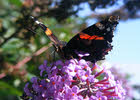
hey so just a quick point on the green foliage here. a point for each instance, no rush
(15, 2)
(11, 90)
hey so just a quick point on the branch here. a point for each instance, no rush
(27, 59)
(2, 75)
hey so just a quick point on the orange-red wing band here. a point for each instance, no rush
(48, 32)
(84, 36)
(94, 37)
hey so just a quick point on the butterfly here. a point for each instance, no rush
(95, 40)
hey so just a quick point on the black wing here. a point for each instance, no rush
(95, 40)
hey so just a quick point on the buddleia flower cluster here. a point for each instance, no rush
(124, 78)
(74, 80)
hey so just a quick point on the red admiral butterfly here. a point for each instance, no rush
(95, 40)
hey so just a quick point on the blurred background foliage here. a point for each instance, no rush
(23, 46)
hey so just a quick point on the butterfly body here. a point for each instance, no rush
(95, 40)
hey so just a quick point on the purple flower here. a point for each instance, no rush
(123, 77)
(71, 93)
(43, 67)
(27, 91)
(75, 80)
(98, 96)
(83, 54)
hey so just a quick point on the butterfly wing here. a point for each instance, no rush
(95, 40)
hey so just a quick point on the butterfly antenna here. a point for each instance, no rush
(30, 29)
(47, 31)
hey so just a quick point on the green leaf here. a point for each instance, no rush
(11, 90)
(16, 2)
(30, 75)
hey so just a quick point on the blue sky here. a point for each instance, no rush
(126, 43)
(126, 51)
